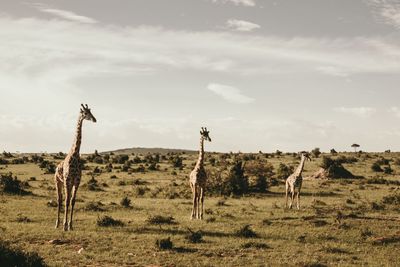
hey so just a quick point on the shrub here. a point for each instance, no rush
(11, 256)
(392, 199)
(284, 171)
(388, 170)
(376, 167)
(125, 202)
(246, 232)
(49, 167)
(255, 245)
(316, 152)
(164, 243)
(92, 185)
(158, 219)
(335, 169)
(94, 206)
(238, 182)
(11, 185)
(194, 237)
(107, 221)
(177, 162)
(259, 174)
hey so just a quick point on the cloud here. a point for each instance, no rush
(395, 111)
(242, 25)
(364, 112)
(64, 14)
(247, 3)
(386, 11)
(63, 51)
(229, 93)
(333, 71)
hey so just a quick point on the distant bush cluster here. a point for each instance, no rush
(334, 168)
(12, 256)
(12, 185)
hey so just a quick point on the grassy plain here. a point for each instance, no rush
(342, 222)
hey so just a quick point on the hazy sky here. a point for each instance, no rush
(261, 75)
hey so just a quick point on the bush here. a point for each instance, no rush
(107, 221)
(177, 162)
(11, 185)
(10, 256)
(238, 182)
(49, 167)
(376, 167)
(316, 152)
(284, 171)
(259, 174)
(393, 199)
(388, 170)
(194, 237)
(94, 206)
(255, 245)
(335, 169)
(246, 232)
(158, 219)
(164, 243)
(125, 202)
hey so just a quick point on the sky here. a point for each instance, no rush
(259, 74)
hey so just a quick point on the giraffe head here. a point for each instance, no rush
(305, 155)
(86, 114)
(205, 134)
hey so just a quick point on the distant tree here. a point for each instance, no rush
(355, 146)
(316, 152)
(278, 152)
(239, 183)
(333, 151)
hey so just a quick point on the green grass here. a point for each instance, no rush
(336, 226)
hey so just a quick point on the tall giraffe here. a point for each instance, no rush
(295, 181)
(68, 172)
(198, 178)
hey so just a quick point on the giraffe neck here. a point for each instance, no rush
(200, 161)
(299, 169)
(78, 138)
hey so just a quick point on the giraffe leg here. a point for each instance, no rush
(298, 197)
(74, 190)
(59, 201)
(291, 199)
(202, 202)
(67, 202)
(198, 191)
(194, 202)
(287, 195)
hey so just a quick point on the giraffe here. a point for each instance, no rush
(198, 178)
(68, 172)
(295, 181)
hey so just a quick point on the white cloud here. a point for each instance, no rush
(357, 111)
(229, 93)
(64, 14)
(38, 53)
(333, 71)
(395, 111)
(247, 3)
(386, 11)
(242, 25)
